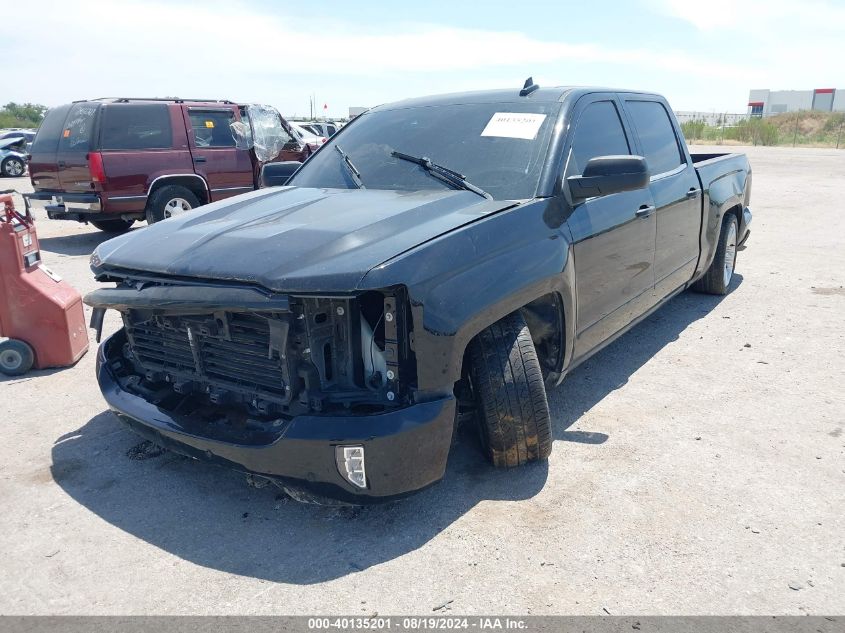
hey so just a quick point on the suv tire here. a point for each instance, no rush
(169, 201)
(113, 226)
(510, 394)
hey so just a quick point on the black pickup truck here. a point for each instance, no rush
(441, 258)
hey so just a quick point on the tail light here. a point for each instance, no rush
(95, 166)
(323, 140)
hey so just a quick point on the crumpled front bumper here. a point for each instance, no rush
(405, 450)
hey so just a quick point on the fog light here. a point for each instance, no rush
(350, 463)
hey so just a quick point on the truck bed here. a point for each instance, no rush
(715, 167)
(702, 158)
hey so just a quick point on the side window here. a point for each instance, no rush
(135, 126)
(656, 134)
(599, 133)
(211, 127)
(332, 129)
(79, 128)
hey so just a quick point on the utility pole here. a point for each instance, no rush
(839, 135)
(795, 135)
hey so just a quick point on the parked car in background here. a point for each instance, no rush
(27, 134)
(13, 156)
(445, 258)
(111, 162)
(320, 128)
(308, 137)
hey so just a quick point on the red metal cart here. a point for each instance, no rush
(41, 319)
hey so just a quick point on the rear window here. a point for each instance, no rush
(135, 126)
(48, 134)
(78, 129)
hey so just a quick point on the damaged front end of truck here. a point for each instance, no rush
(314, 392)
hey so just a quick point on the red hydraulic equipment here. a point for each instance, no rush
(41, 319)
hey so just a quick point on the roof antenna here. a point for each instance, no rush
(528, 88)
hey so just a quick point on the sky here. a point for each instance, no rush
(702, 56)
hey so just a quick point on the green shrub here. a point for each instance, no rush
(693, 129)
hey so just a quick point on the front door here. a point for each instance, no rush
(613, 235)
(226, 168)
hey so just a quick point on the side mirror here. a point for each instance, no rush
(278, 174)
(604, 175)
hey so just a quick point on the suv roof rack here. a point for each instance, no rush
(173, 99)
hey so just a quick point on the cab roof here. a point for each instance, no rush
(506, 95)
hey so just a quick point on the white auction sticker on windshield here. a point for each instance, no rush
(514, 125)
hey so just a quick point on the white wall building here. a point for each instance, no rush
(766, 102)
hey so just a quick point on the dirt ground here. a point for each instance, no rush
(698, 468)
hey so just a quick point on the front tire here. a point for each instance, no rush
(113, 226)
(170, 201)
(16, 357)
(717, 279)
(13, 167)
(510, 394)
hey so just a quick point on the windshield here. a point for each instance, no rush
(499, 147)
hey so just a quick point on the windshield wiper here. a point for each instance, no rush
(350, 167)
(449, 176)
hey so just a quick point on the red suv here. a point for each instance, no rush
(113, 161)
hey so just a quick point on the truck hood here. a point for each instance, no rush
(294, 239)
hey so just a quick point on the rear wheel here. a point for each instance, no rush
(13, 167)
(717, 279)
(170, 201)
(510, 394)
(16, 357)
(113, 226)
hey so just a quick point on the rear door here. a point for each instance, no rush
(43, 168)
(613, 235)
(77, 139)
(227, 169)
(676, 192)
(140, 142)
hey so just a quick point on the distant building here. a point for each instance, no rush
(353, 111)
(713, 119)
(766, 102)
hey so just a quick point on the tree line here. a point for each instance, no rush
(28, 115)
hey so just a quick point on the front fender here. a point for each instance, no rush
(462, 282)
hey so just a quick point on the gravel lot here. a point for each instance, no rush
(698, 468)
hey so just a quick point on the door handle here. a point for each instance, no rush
(692, 193)
(645, 211)
(199, 159)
